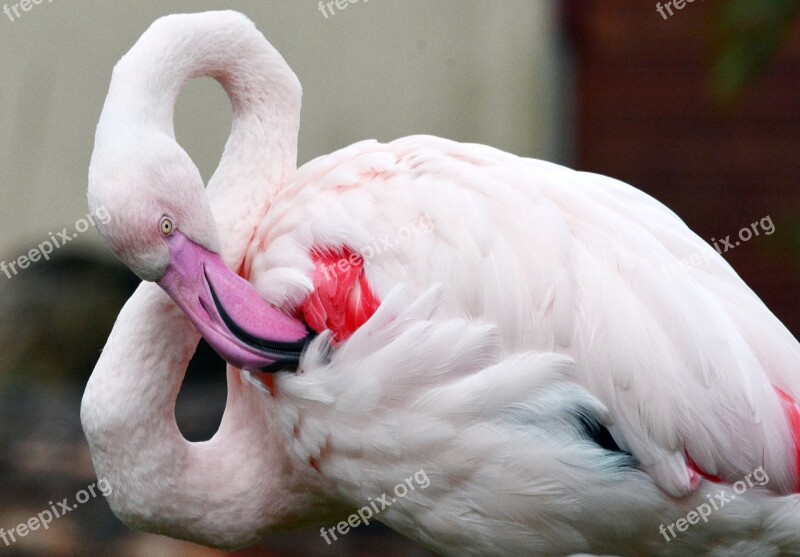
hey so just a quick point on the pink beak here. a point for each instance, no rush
(245, 330)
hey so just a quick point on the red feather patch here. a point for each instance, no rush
(342, 300)
(792, 411)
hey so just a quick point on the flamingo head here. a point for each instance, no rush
(159, 223)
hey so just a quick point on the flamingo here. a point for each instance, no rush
(499, 325)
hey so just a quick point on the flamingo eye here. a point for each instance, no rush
(166, 226)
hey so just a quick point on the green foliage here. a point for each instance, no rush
(747, 34)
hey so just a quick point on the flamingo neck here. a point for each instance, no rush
(261, 153)
(242, 483)
(225, 492)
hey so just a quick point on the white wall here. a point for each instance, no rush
(468, 70)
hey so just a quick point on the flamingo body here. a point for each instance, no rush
(539, 293)
(486, 318)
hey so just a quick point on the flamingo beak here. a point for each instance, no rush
(245, 330)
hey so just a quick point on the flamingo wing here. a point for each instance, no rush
(695, 371)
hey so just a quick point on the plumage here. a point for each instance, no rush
(494, 317)
(341, 299)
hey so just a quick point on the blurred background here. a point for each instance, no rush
(697, 105)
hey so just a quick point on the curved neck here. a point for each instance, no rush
(242, 483)
(261, 153)
(225, 492)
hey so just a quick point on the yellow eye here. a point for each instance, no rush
(166, 226)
